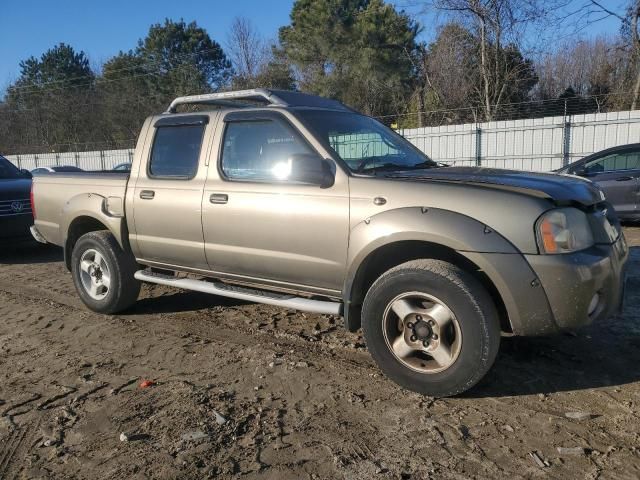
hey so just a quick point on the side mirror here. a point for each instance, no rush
(305, 168)
(26, 173)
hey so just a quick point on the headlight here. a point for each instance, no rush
(563, 230)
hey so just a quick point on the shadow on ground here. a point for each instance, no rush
(181, 301)
(601, 355)
(30, 252)
(528, 366)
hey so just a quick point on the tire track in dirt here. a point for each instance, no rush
(8, 449)
(15, 449)
(193, 324)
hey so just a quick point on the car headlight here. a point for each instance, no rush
(563, 230)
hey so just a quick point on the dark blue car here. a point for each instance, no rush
(16, 216)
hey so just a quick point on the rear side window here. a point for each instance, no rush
(257, 150)
(175, 151)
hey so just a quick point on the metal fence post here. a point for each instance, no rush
(35, 158)
(101, 159)
(566, 136)
(58, 159)
(478, 146)
(76, 156)
(566, 143)
(19, 162)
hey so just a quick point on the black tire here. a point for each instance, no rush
(123, 288)
(472, 307)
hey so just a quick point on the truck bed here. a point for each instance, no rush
(54, 193)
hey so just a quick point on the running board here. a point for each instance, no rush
(242, 293)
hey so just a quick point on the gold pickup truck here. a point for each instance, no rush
(298, 201)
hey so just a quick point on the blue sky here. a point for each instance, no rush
(102, 28)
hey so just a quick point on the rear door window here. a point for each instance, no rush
(175, 152)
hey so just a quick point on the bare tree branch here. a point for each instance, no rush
(245, 48)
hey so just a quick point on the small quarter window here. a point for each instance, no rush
(175, 152)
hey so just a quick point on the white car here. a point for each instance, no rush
(58, 169)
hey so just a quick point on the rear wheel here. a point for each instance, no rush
(431, 327)
(103, 273)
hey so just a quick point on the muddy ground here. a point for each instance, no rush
(259, 392)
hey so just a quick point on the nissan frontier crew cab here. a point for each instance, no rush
(298, 201)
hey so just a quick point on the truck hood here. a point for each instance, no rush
(561, 189)
(15, 188)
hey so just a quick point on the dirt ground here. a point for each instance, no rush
(259, 392)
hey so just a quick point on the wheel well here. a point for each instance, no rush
(388, 256)
(79, 226)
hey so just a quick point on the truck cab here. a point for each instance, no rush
(246, 194)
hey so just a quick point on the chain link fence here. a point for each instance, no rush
(537, 144)
(92, 160)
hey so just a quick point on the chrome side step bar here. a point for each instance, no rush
(241, 293)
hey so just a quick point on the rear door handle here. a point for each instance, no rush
(623, 179)
(147, 194)
(218, 198)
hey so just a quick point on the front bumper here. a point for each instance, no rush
(571, 281)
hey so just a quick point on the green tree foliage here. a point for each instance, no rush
(358, 51)
(184, 57)
(128, 92)
(37, 111)
(58, 64)
(174, 59)
(59, 103)
(276, 73)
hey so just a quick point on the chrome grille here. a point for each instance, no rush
(17, 206)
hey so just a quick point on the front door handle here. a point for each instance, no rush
(147, 194)
(623, 179)
(219, 198)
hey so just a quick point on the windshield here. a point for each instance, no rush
(364, 144)
(8, 169)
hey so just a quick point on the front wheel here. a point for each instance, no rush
(431, 327)
(103, 273)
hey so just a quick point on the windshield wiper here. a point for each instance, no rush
(395, 167)
(386, 167)
(425, 164)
